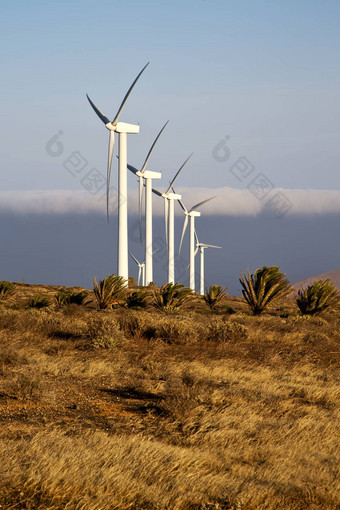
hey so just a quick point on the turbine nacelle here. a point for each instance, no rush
(123, 127)
(172, 196)
(148, 174)
(193, 213)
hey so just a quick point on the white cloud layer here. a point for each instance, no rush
(228, 201)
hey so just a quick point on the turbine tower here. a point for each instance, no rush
(141, 270)
(192, 213)
(201, 247)
(169, 218)
(147, 175)
(122, 129)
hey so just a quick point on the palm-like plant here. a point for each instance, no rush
(263, 287)
(68, 297)
(137, 299)
(318, 297)
(109, 291)
(214, 295)
(6, 289)
(171, 296)
(39, 301)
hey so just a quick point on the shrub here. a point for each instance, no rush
(171, 296)
(68, 297)
(214, 295)
(109, 291)
(39, 301)
(103, 332)
(131, 324)
(263, 287)
(7, 289)
(177, 331)
(228, 309)
(137, 299)
(225, 331)
(318, 297)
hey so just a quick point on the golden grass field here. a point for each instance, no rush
(149, 410)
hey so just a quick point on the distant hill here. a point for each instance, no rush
(334, 276)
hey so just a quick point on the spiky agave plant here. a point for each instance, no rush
(7, 289)
(171, 296)
(214, 294)
(318, 297)
(109, 291)
(263, 287)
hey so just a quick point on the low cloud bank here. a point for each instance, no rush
(228, 201)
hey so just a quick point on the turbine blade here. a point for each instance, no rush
(201, 203)
(152, 147)
(177, 174)
(98, 112)
(156, 192)
(182, 206)
(166, 219)
(180, 201)
(109, 163)
(139, 273)
(140, 199)
(185, 224)
(196, 237)
(115, 120)
(195, 252)
(134, 258)
(132, 169)
(210, 246)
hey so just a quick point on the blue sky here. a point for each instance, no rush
(263, 77)
(265, 73)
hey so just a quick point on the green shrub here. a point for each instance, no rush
(137, 299)
(7, 289)
(318, 297)
(109, 291)
(263, 287)
(228, 309)
(39, 301)
(171, 296)
(214, 295)
(68, 297)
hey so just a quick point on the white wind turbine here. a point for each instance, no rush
(201, 247)
(147, 175)
(122, 129)
(192, 213)
(169, 218)
(141, 270)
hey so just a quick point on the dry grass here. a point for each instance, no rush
(145, 410)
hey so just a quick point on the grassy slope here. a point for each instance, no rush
(121, 409)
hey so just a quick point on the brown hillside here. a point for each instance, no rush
(334, 276)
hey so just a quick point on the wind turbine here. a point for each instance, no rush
(192, 213)
(170, 222)
(147, 175)
(141, 270)
(122, 129)
(201, 247)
